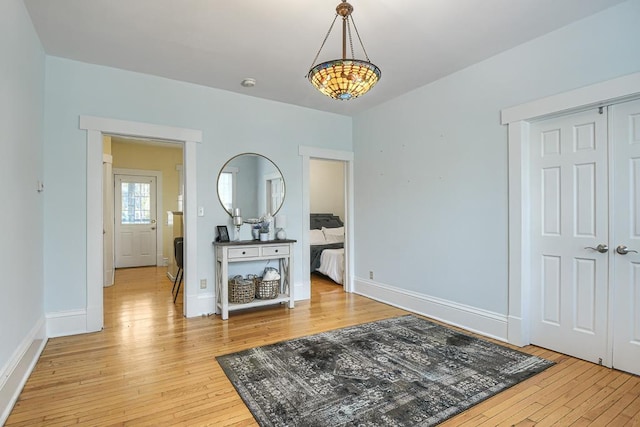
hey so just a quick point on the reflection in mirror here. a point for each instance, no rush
(252, 183)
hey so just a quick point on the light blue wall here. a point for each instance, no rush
(21, 123)
(436, 160)
(231, 124)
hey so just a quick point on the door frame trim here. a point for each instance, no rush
(159, 254)
(96, 127)
(517, 119)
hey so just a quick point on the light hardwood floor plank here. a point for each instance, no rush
(150, 366)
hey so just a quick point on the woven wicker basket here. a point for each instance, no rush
(241, 290)
(266, 289)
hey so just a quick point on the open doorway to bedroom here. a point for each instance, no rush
(327, 204)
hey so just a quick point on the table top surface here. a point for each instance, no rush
(254, 242)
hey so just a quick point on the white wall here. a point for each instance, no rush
(326, 187)
(431, 166)
(21, 123)
(231, 124)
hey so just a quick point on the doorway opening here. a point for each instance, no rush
(143, 201)
(327, 215)
(144, 214)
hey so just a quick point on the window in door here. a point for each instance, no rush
(136, 203)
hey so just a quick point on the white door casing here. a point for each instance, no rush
(308, 153)
(569, 215)
(624, 136)
(96, 128)
(136, 225)
(108, 221)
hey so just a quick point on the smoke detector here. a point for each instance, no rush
(248, 82)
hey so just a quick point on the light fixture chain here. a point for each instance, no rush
(324, 41)
(353, 55)
(359, 39)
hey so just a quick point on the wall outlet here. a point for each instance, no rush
(203, 283)
(371, 275)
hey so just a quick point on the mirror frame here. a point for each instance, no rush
(226, 164)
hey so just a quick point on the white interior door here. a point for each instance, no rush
(135, 225)
(569, 213)
(625, 138)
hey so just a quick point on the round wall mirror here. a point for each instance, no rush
(253, 183)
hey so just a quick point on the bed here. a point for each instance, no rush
(326, 239)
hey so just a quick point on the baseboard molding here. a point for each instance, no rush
(200, 304)
(64, 323)
(16, 372)
(473, 319)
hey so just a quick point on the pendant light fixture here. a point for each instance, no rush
(344, 78)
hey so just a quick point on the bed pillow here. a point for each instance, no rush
(316, 237)
(334, 238)
(333, 235)
(338, 231)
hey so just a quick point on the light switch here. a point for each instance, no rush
(201, 211)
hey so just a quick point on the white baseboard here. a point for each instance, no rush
(64, 323)
(200, 304)
(17, 370)
(473, 319)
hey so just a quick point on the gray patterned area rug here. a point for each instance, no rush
(404, 371)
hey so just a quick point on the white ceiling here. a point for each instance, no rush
(218, 43)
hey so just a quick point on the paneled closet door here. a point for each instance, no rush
(569, 235)
(625, 140)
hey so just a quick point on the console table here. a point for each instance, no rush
(252, 250)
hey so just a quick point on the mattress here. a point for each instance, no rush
(332, 264)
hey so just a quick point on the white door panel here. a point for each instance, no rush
(126, 244)
(135, 227)
(625, 137)
(569, 213)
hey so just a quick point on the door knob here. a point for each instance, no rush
(623, 250)
(602, 248)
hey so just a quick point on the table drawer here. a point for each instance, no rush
(244, 252)
(275, 250)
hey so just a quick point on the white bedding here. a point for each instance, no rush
(332, 264)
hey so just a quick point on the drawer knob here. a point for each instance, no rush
(244, 252)
(276, 251)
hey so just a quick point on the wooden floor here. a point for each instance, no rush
(151, 366)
